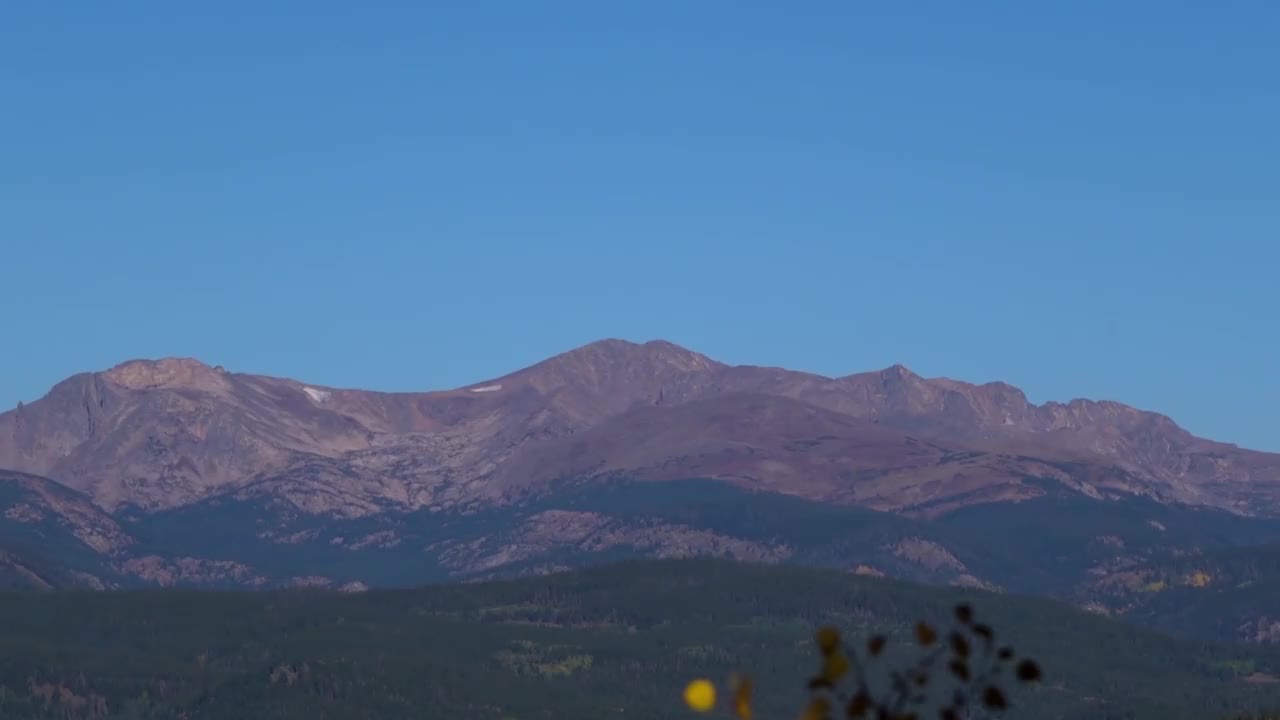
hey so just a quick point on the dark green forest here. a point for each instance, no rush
(617, 641)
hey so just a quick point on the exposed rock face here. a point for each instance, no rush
(587, 532)
(166, 433)
(190, 572)
(928, 554)
(48, 508)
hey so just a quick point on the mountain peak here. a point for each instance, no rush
(611, 375)
(898, 370)
(170, 372)
(615, 356)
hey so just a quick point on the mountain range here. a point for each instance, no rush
(174, 472)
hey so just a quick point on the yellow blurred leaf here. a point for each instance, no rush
(828, 639)
(742, 687)
(834, 666)
(819, 709)
(700, 695)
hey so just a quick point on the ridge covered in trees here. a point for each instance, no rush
(616, 641)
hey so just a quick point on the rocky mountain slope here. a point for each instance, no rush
(200, 476)
(51, 536)
(167, 433)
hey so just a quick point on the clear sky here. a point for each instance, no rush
(1082, 201)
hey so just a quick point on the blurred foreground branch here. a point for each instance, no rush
(959, 675)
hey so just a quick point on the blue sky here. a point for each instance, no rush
(1082, 201)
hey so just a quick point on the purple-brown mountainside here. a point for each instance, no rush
(167, 433)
